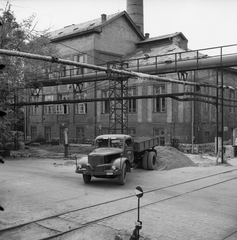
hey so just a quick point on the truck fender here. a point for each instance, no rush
(118, 163)
(154, 150)
(83, 161)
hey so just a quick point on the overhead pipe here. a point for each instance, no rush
(188, 65)
(194, 96)
(179, 66)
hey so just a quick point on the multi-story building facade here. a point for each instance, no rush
(120, 37)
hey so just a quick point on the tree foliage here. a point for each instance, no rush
(19, 73)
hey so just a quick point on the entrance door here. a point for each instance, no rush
(47, 133)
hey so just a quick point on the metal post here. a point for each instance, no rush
(138, 217)
(222, 118)
(217, 113)
(66, 142)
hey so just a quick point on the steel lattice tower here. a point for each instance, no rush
(118, 89)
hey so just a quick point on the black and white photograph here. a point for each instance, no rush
(118, 119)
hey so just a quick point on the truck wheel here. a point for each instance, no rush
(145, 160)
(122, 177)
(152, 162)
(86, 178)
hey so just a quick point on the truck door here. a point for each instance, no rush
(128, 149)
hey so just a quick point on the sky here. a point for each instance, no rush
(205, 23)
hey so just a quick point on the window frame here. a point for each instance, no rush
(105, 104)
(132, 103)
(81, 108)
(159, 102)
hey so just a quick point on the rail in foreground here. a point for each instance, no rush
(60, 225)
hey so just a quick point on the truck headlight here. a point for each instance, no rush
(113, 168)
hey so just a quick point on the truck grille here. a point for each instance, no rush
(95, 160)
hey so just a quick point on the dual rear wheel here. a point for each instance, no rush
(149, 160)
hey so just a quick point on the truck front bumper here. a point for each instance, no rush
(88, 170)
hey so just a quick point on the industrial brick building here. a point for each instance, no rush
(120, 37)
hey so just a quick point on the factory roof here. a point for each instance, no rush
(91, 26)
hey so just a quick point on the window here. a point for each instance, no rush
(159, 102)
(79, 58)
(48, 98)
(128, 143)
(105, 104)
(48, 109)
(47, 133)
(65, 69)
(132, 103)
(160, 133)
(63, 96)
(33, 131)
(81, 108)
(62, 108)
(34, 110)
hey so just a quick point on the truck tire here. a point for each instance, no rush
(86, 178)
(152, 161)
(145, 160)
(122, 177)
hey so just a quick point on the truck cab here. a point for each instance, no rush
(112, 157)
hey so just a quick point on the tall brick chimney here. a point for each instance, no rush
(135, 11)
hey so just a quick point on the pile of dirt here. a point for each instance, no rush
(171, 158)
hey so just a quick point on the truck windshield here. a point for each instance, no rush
(101, 143)
(109, 142)
(116, 143)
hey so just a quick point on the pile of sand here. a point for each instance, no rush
(170, 158)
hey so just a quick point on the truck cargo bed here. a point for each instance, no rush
(144, 143)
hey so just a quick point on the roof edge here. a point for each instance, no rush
(97, 29)
(162, 37)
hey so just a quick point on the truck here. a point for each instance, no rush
(116, 154)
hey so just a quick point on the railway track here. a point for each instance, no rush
(58, 225)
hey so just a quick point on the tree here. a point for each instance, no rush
(19, 73)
